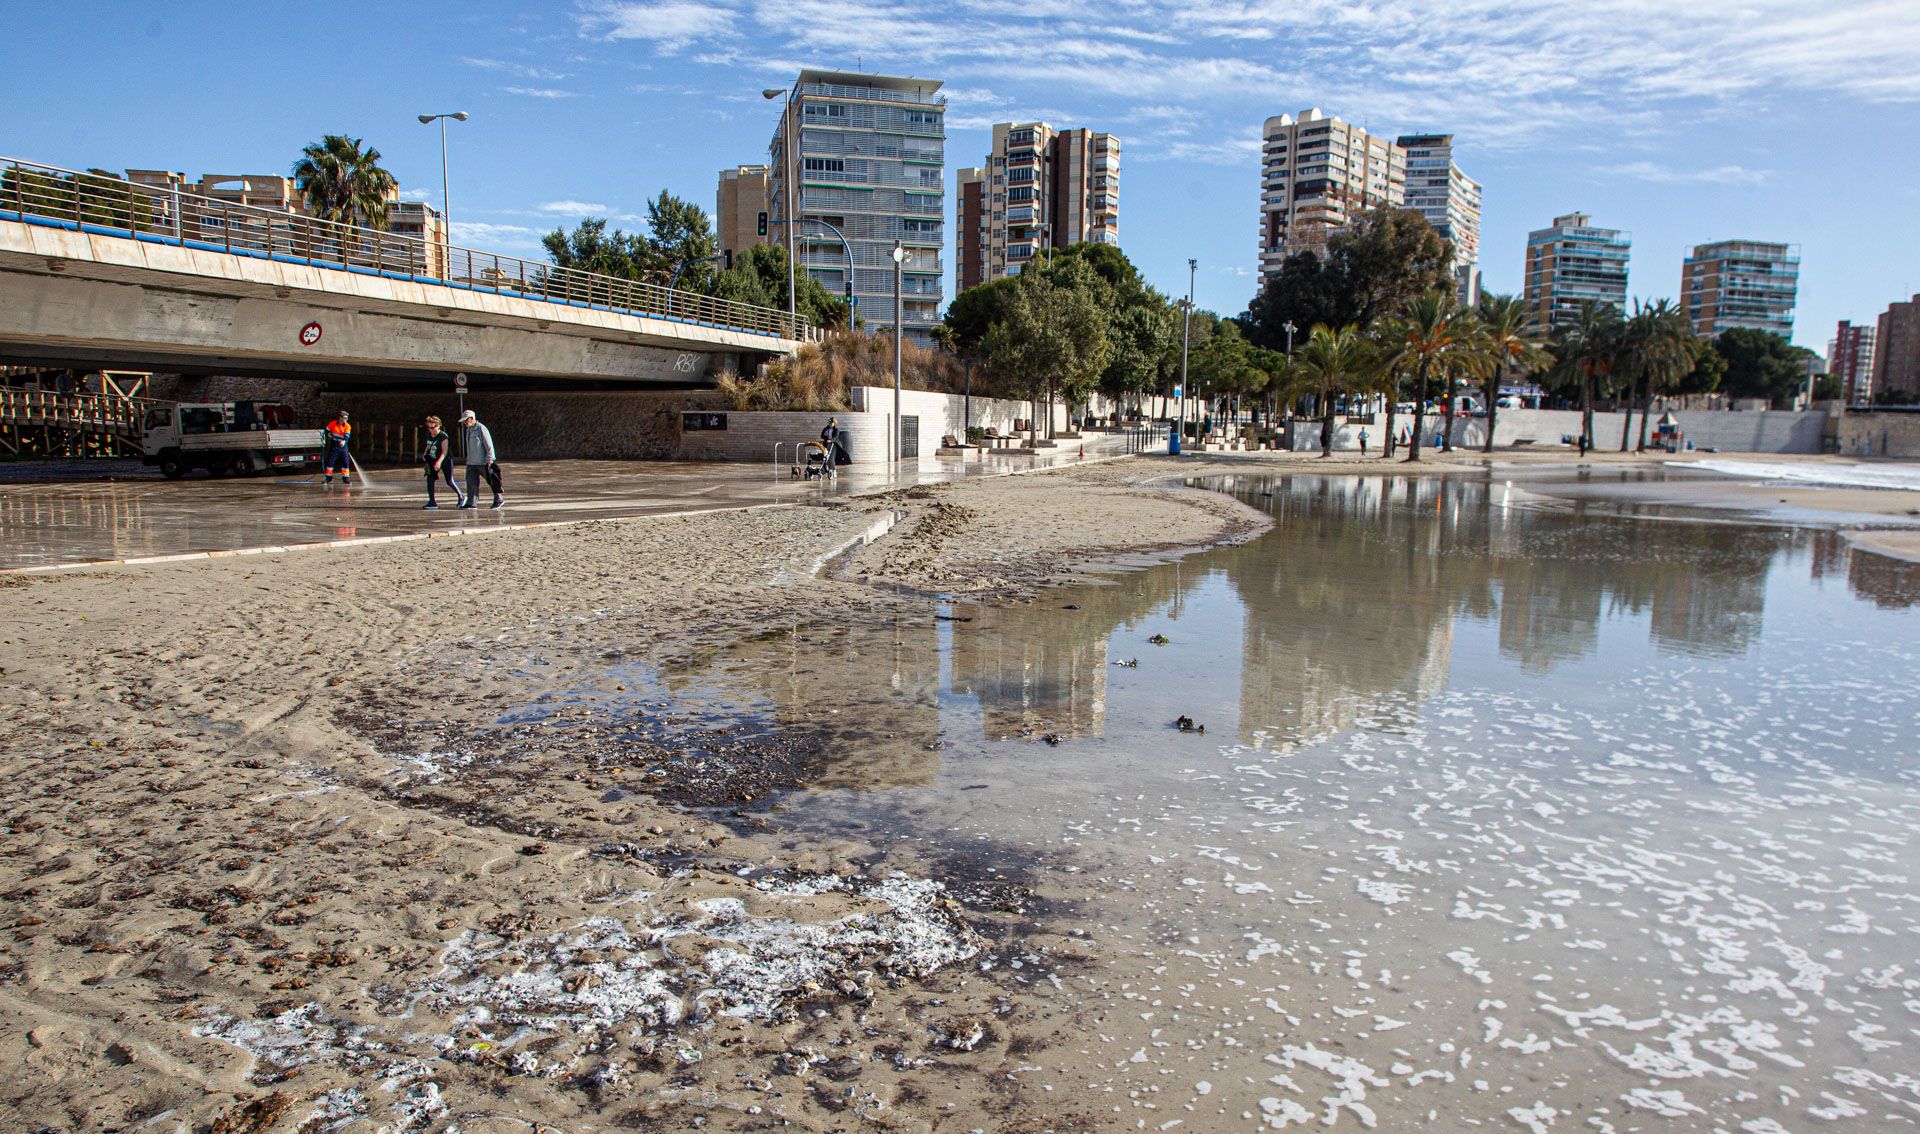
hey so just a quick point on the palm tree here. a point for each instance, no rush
(1470, 357)
(1658, 347)
(1333, 362)
(341, 181)
(1587, 350)
(1423, 340)
(1511, 342)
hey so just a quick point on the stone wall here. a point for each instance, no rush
(1880, 434)
(616, 425)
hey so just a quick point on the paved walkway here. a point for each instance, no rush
(69, 522)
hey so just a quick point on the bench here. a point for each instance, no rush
(998, 440)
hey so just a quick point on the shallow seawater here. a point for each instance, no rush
(1508, 812)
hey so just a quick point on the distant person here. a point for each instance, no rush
(1363, 442)
(481, 460)
(337, 434)
(1583, 444)
(437, 457)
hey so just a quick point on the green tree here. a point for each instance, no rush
(1473, 356)
(1511, 342)
(1761, 364)
(1422, 343)
(341, 180)
(591, 248)
(759, 277)
(1372, 270)
(1657, 350)
(682, 243)
(1586, 352)
(1391, 258)
(1334, 362)
(1051, 340)
(1709, 370)
(1307, 291)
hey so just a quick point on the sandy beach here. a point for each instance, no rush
(279, 855)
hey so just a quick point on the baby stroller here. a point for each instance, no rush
(819, 461)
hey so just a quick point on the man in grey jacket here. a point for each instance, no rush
(481, 461)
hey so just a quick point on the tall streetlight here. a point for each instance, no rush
(446, 197)
(899, 333)
(1289, 328)
(788, 142)
(1186, 330)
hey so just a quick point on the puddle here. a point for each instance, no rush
(1529, 816)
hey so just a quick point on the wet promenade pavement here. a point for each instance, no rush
(139, 515)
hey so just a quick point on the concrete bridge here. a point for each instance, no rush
(100, 272)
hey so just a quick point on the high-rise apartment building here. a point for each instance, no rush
(737, 209)
(1450, 200)
(1850, 359)
(1896, 352)
(1040, 188)
(970, 227)
(1740, 283)
(869, 152)
(1316, 175)
(1571, 263)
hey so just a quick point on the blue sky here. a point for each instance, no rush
(1792, 120)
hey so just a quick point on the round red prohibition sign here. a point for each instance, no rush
(310, 334)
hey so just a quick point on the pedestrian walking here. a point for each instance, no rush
(436, 455)
(1363, 441)
(481, 460)
(337, 434)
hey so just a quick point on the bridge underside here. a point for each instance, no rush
(84, 300)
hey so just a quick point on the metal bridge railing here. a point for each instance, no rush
(101, 202)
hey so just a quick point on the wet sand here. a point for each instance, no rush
(275, 857)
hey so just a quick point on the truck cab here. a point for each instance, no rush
(227, 439)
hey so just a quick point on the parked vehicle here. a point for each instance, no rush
(227, 439)
(1466, 405)
(1508, 401)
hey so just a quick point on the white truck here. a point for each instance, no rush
(227, 439)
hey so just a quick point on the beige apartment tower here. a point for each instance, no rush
(1316, 175)
(739, 209)
(1040, 188)
(275, 193)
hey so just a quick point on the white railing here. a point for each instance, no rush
(104, 203)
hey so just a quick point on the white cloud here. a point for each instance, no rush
(573, 208)
(1716, 175)
(668, 24)
(414, 195)
(538, 92)
(502, 237)
(523, 70)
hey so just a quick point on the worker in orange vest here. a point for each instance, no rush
(338, 434)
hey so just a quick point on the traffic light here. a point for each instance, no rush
(763, 223)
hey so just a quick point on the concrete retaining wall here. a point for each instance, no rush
(1880, 434)
(1730, 431)
(751, 435)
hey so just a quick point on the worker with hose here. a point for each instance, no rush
(338, 434)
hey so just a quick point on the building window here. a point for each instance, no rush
(825, 165)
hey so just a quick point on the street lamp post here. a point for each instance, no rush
(899, 333)
(788, 142)
(1186, 331)
(446, 196)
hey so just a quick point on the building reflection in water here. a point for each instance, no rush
(1346, 612)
